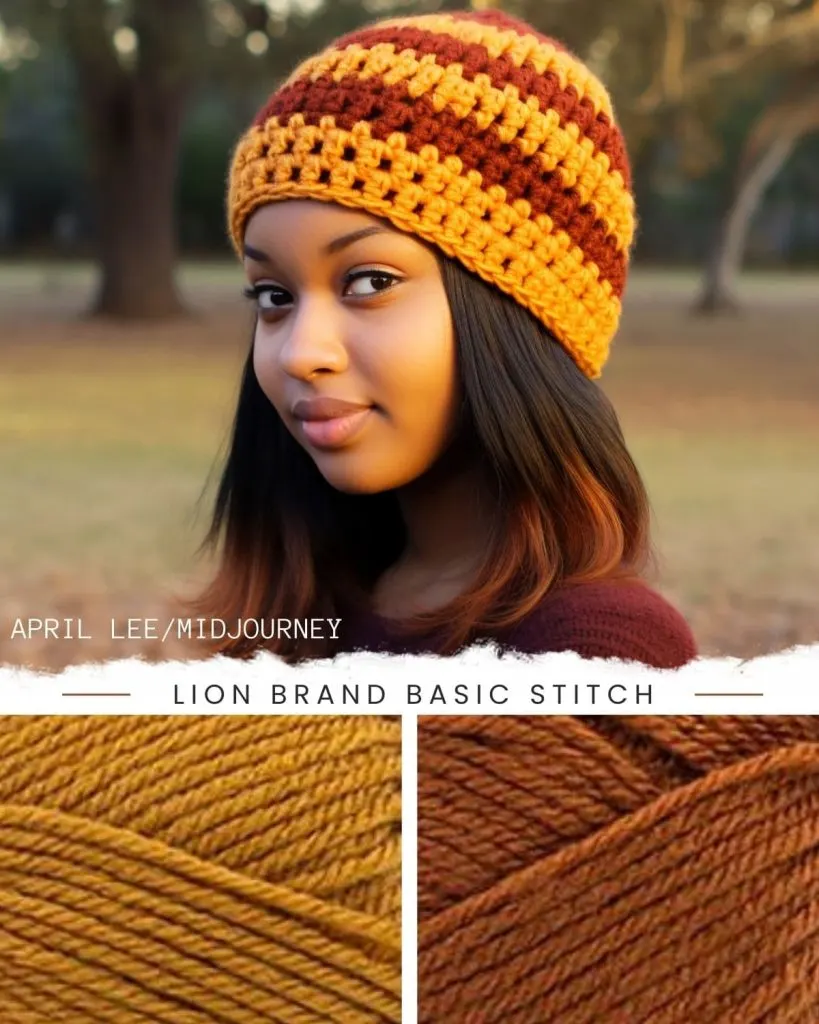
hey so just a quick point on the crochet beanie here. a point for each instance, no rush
(610, 871)
(192, 870)
(477, 134)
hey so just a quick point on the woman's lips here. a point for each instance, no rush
(335, 432)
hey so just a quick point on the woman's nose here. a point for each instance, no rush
(313, 343)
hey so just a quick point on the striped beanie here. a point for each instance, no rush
(479, 135)
(200, 869)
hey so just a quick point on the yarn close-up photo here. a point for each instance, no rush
(200, 870)
(607, 870)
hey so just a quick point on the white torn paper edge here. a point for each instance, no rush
(477, 681)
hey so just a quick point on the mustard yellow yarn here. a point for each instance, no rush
(199, 870)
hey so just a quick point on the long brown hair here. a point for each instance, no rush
(571, 506)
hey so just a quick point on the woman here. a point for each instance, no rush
(434, 216)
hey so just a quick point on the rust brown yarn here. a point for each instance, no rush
(610, 870)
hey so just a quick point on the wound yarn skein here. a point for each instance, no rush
(199, 870)
(638, 870)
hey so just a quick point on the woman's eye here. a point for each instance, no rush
(268, 296)
(365, 283)
(369, 282)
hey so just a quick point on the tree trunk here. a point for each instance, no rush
(728, 251)
(134, 146)
(133, 109)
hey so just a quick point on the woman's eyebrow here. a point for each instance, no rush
(255, 254)
(341, 243)
(330, 249)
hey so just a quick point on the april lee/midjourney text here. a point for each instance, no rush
(175, 628)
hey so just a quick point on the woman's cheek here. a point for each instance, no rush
(267, 371)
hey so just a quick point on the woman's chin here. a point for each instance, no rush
(349, 476)
(351, 483)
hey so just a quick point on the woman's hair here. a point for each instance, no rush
(569, 502)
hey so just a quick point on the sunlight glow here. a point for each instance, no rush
(125, 41)
(257, 43)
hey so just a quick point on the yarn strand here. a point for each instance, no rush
(683, 907)
(227, 911)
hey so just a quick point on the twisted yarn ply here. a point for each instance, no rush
(199, 870)
(476, 133)
(629, 871)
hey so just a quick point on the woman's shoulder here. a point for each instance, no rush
(623, 619)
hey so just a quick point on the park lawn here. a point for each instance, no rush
(110, 437)
(105, 452)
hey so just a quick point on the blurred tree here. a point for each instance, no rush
(135, 81)
(40, 155)
(737, 44)
(138, 63)
(788, 117)
(135, 64)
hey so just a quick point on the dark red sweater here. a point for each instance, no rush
(608, 619)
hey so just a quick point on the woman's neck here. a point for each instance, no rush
(448, 521)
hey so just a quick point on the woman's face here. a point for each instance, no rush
(354, 341)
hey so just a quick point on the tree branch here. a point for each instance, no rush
(794, 113)
(676, 38)
(699, 75)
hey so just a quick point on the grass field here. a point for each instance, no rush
(108, 435)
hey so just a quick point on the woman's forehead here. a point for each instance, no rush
(312, 215)
(315, 226)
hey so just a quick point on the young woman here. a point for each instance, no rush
(435, 216)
